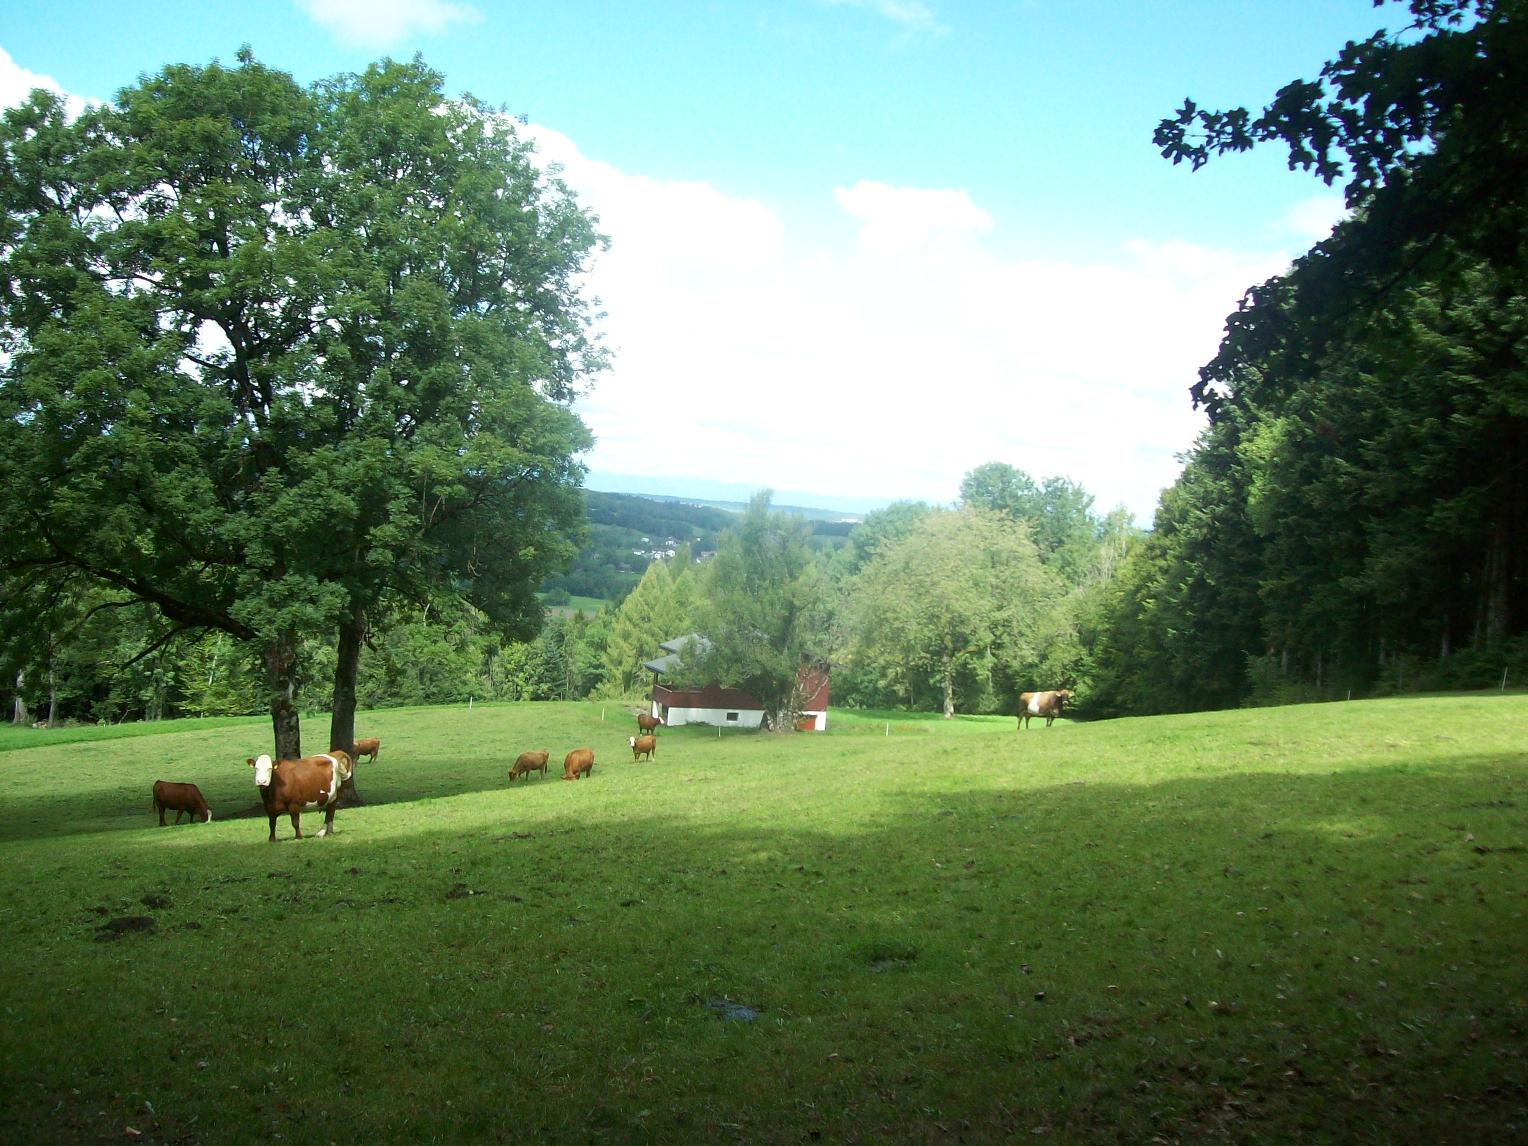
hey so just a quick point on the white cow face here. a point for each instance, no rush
(264, 766)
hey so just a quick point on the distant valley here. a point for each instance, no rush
(628, 531)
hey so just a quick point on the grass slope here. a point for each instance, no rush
(1302, 924)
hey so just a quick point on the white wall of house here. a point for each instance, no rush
(721, 717)
(734, 717)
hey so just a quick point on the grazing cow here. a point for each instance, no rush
(1046, 704)
(578, 764)
(529, 762)
(642, 744)
(184, 798)
(367, 747)
(296, 786)
(646, 723)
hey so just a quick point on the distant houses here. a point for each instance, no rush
(716, 704)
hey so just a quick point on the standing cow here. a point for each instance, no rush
(648, 724)
(296, 786)
(1046, 704)
(641, 745)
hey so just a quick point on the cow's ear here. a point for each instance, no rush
(250, 760)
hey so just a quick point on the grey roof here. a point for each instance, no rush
(676, 649)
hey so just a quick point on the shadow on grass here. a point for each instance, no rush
(1239, 956)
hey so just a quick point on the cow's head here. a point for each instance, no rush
(632, 741)
(263, 766)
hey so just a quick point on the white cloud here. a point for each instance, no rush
(893, 370)
(891, 364)
(376, 24)
(17, 84)
(898, 220)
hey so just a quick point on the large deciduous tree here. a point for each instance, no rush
(964, 585)
(273, 354)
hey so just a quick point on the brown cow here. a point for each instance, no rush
(646, 723)
(578, 764)
(184, 798)
(642, 744)
(1046, 704)
(295, 786)
(529, 762)
(367, 747)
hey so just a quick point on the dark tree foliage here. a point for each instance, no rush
(1369, 409)
(1427, 129)
(1182, 614)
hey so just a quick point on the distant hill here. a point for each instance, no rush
(808, 512)
(731, 494)
(627, 532)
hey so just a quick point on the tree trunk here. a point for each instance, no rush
(784, 713)
(52, 698)
(1498, 586)
(347, 667)
(949, 688)
(19, 713)
(280, 660)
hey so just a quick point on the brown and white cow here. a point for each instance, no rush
(185, 799)
(578, 764)
(297, 786)
(528, 762)
(1046, 704)
(646, 723)
(641, 745)
(367, 747)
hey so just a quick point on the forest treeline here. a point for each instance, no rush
(1350, 522)
(915, 605)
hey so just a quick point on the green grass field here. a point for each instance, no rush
(589, 606)
(1299, 924)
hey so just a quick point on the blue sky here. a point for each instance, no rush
(860, 247)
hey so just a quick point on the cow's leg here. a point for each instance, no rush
(297, 822)
(328, 828)
(161, 814)
(273, 827)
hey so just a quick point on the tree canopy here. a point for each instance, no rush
(1059, 513)
(963, 586)
(275, 354)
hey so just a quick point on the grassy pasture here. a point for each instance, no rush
(586, 605)
(1302, 924)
